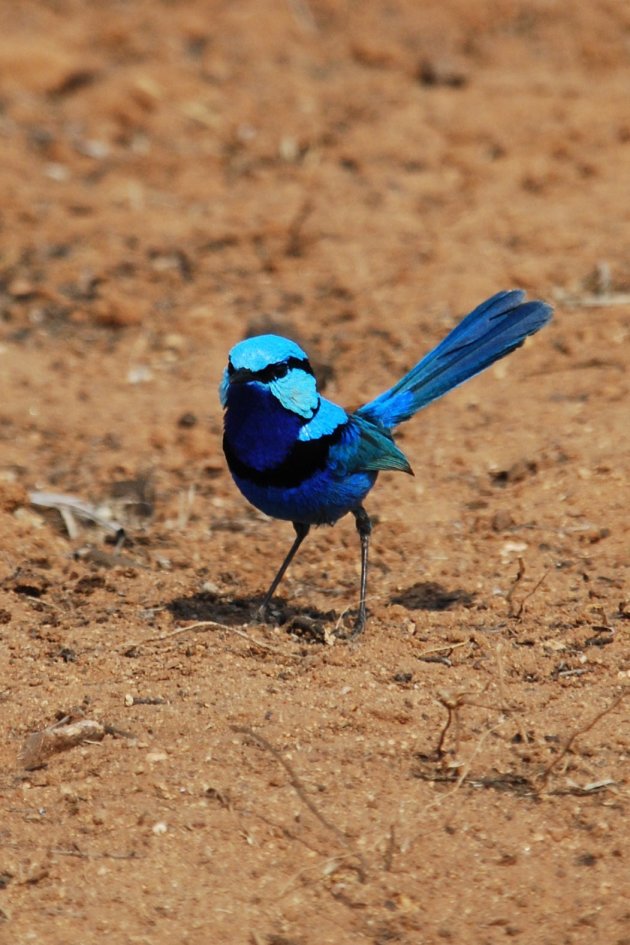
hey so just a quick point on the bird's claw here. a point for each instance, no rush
(356, 631)
(262, 613)
(271, 612)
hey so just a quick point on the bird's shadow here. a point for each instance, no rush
(429, 595)
(307, 623)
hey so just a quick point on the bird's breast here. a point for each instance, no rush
(263, 446)
(258, 431)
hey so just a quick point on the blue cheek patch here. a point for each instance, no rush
(296, 392)
(326, 420)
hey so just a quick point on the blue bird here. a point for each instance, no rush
(296, 456)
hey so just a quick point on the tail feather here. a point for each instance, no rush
(492, 330)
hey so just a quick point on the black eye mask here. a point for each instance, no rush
(273, 372)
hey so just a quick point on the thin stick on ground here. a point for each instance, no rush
(83, 855)
(539, 583)
(324, 868)
(517, 611)
(510, 594)
(465, 771)
(498, 657)
(446, 647)
(208, 625)
(300, 790)
(468, 763)
(63, 735)
(388, 859)
(303, 15)
(506, 706)
(452, 704)
(544, 776)
(451, 709)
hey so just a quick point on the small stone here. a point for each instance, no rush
(174, 341)
(139, 374)
(501, 521)
(57, 172)
(187, 420)
(20, 288)
(155, 757)
(434, 72)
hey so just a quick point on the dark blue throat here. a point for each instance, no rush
(260, 440)
(258, 429)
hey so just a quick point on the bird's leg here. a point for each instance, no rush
(364, 528)
(301, 531)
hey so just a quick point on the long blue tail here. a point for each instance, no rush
(492, 330)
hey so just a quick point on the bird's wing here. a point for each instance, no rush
(367, 446)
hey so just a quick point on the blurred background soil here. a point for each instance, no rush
(174, 176)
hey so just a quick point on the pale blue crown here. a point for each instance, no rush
(255, 354)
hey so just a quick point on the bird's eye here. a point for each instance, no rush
(230, 369)
(273, 373)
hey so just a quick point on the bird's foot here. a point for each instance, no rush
(262, 613)
(353, 632)
(270, 613)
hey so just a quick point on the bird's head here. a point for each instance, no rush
(277, 365)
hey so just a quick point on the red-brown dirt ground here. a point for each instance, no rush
(174, 176)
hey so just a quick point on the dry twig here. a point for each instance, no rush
(452, 704)
(510, 594)
(388, 859)
(445, 648)
(544, 776)
(300, 790)
(465, 771)
(303, 15)
(207, 625)
(71, 506)
(517, 611)
(83, 855)
(294, 244)
(39, 746)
